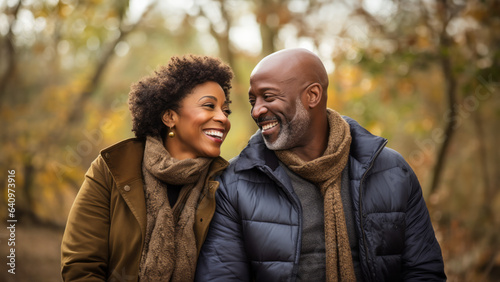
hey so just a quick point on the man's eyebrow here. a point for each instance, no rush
(208, 96)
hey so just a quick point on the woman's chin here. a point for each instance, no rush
(211, 154)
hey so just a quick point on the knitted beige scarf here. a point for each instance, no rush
(325, 172)
(169, 252)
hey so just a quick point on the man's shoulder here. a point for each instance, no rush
(365, 147)
(388, 159)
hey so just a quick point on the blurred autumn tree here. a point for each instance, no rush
(424, 74)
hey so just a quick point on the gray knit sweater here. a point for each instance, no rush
(312, 256)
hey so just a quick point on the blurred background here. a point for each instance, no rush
(424, 74)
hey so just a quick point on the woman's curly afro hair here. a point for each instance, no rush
(168, 86)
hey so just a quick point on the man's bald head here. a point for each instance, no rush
(297, 64)
(288, 93)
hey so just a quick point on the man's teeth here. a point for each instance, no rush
(269, 125)
(214, 133)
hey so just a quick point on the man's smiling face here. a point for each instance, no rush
(275, 97)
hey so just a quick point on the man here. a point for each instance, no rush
(314, 196)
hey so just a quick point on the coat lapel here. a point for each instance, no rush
(124, 161)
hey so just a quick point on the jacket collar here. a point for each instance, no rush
(364, 145)
(364, 148)
(124, 160)
(256, 154)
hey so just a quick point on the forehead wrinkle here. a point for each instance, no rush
(288, 80)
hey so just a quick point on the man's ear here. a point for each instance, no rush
(169, 118)
(314, 94)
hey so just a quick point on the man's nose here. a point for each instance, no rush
(258, 109)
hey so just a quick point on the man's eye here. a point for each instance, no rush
(252, 101)
(268, 97)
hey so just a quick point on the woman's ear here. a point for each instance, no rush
(169, 118)
(314, 95)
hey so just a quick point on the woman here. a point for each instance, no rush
(143, 210)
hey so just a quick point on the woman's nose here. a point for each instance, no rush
(221, 116)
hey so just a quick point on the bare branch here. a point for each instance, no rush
(76, 111)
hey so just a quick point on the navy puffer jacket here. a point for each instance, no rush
(256, 231)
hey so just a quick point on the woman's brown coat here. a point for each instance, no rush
(105, 231)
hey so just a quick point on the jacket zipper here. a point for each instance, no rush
(299, 208)
(361, 204)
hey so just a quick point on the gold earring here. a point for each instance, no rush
(171, 134)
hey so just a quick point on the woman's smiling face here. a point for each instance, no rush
(200, 125)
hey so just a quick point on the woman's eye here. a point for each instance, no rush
(227, 112)
(211, 106)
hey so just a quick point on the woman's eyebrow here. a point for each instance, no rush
(208, 96)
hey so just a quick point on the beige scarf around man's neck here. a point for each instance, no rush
(169, 252)
(325, 172)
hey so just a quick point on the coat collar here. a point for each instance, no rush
(256, 154)
(364, 145)
(124, 160)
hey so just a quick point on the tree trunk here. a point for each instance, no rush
(451, 94)
(451, 121)
(267, 35)
(10, 56)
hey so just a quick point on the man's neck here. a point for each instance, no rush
(316, 146)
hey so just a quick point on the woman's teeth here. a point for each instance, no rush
(214, 133)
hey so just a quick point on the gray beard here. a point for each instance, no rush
(290, 133)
